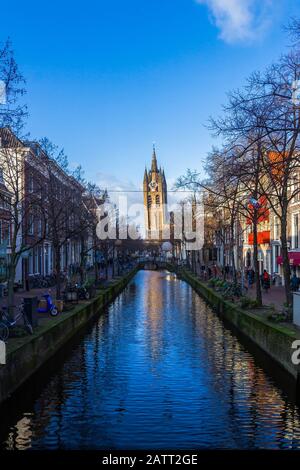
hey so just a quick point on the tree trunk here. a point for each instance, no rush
(82, 261)
(193, 263)
(232, 253)
(106, 263)
(224, 261)
(96, 269)
(58, 272)
(256, 264)
(10, 290)
(285, 261)
(113, 261)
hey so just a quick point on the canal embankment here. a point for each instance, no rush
(28, 354)
(273, 339)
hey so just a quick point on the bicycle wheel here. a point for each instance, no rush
(53, 312)
(4, 332)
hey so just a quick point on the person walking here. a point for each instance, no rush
(266, 280)
(250, 275)
(295, 282)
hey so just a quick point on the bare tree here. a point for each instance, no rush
(12, 110)
(265, 114)
(21, 179)
(62, 204)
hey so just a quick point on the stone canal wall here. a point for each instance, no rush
(273, 339)
(26, 355)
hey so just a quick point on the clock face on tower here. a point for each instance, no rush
(153, 185)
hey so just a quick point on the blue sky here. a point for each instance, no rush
(107, 78)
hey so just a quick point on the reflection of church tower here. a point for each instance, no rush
(155, 200)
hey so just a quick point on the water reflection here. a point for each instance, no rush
(159, 370)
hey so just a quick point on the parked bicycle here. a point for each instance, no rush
(6, 324)
(235, 290)
(37, 281)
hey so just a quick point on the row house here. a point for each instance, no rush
(269, 241)
(263, 239)
(26, 174)
(5, 226)
(293, 239)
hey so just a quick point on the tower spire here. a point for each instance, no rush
(145, 175)
(154, 161)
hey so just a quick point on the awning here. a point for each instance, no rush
(262, 237)
(294, 257)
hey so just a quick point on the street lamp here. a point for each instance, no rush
(166, 247)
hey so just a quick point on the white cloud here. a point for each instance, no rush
(117, 187)
(120, 191)
(240, 20)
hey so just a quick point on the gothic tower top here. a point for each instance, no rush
(155, 199)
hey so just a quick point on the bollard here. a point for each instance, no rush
(30, 310)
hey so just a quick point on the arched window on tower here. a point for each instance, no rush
(157, 200)
(149, 200)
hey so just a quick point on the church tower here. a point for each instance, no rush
(155, 200)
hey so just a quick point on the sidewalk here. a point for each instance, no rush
(39, 292)
(275, 295)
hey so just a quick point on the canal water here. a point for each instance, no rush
(158, 370)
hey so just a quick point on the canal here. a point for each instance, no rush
(158, 369)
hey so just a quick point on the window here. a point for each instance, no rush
(149, 201)
(157, 200)
(295, 234)
(4, 231)
(276, 254)
(30, 263)
(30, 224)
(276, 228)
(40, 260)
(39, 227)
(36, 261)
(296, 189)
(30, 184)
(47, 264)
(46, 227)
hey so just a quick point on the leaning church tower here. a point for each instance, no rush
(155, 201)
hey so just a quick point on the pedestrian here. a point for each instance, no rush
(250, 276)
(266, 280)
(295, 282)
(226, 271)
